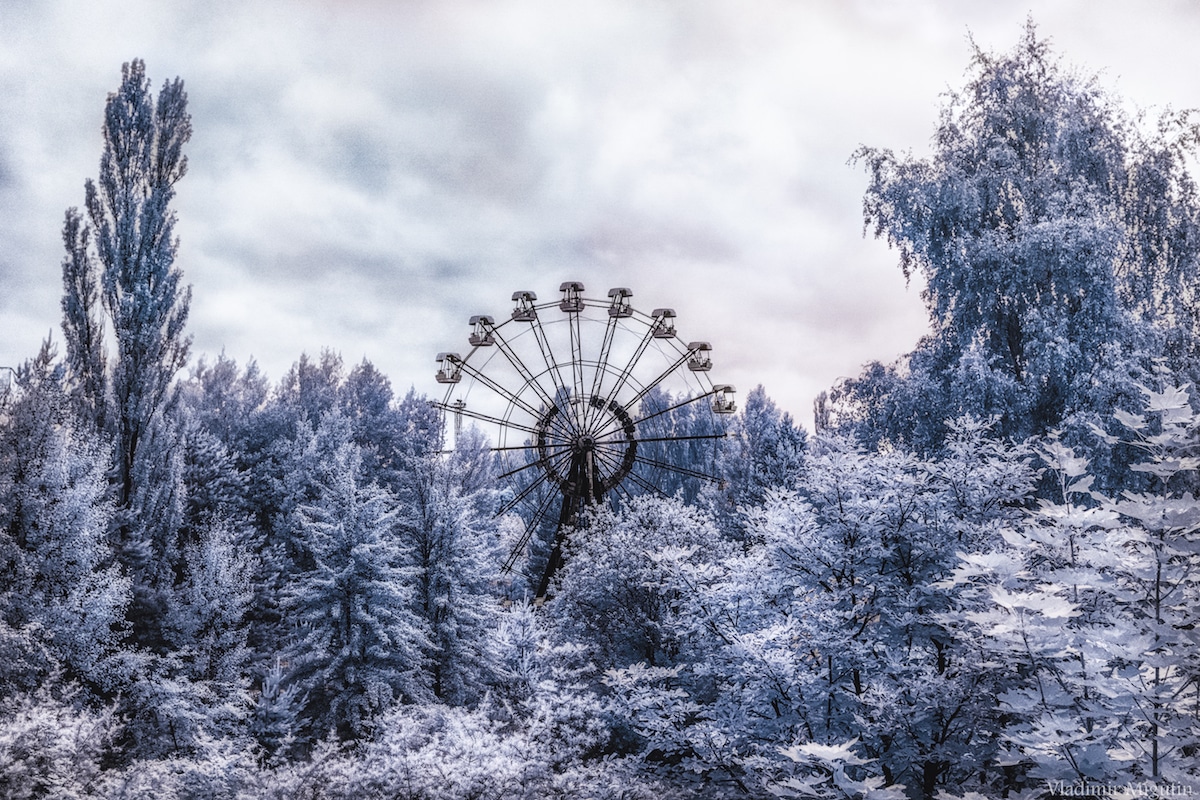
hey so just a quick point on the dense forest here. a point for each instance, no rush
(979, 576)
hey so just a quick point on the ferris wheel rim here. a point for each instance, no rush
(599, 367)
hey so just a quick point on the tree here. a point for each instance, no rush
(1093, 601)
(1161, 255)
(242, 472)
(766, 452)
(226, 401)
(366, 400)
(829, 628)
(850, 570)
(617, 595)
(1018, 224)
(1160, 576)
(672, 416)
(83, 322)
(454, 557)
(131, 228)
(357, 647)
(51, 747)
(1039, 601)
(62, 601)
(273, 721)
(206, 623)
(310, 389)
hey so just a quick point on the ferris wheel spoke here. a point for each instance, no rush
(557, 463)
(612, 460)
(577, 361)
(466, 412)
(610, 330)
(679, 362)
(537, 462)
(684, 438)
(541, 480)
(627, 371)
(562, 391)
(691, 473)
(513, 359)
(521, 447)
(511, 396)
(647, 485)
(530, 529)
(608, 461)
(561, 429)
(622, 490)
(616, 443)
(620, 466)
(667, 410)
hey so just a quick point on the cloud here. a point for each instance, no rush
(366, 175)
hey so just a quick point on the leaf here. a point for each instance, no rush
(1046, 603)
(1131, 421)
(832, 754)
(1173, 403)
(1082, 486)
(1063, 459)
(1169, 399)
(1166, 467)
(1103, 435)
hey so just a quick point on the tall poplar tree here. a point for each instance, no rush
(133, 226)
(120, 272)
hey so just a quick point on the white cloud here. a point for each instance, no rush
(365, 176)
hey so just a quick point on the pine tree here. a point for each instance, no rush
(61, 600)
(766, 452)
(357, 647)
(453, 556)
(700, 454)
(273, 721)
(310, 389)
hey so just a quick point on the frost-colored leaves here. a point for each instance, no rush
(1173, 402)
(1062, 459)
(821, 772)
(1045, 601)
(1094, 597)
(51, 748)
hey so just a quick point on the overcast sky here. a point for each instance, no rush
(365, 176)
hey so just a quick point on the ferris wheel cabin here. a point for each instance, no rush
(524, 310)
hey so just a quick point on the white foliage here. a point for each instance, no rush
(1094, 597)
(52, 746)
(357, 646)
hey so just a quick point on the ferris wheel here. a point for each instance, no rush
(575, 395)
